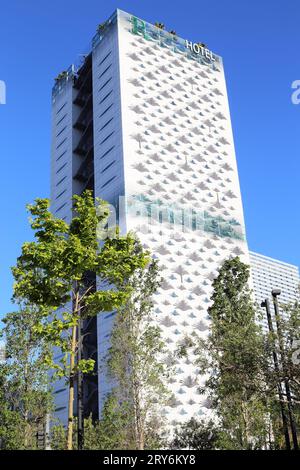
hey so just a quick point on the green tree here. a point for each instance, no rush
(110, 433)
(24, 377)
(11, 423)
(233, 355)
(289, 324)
(136, 361)
(58, 436)
(196, 435)
(52, 272)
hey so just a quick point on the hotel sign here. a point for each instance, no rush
(194, 51)
(198, 49)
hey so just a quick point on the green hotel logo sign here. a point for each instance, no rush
(139, 27)
(152, 33)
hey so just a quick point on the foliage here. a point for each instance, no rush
(234, 357)
(109, 433)
(136, 360)
(11, 424)
(58, 437)
(24, 390)
(196, 435)
(52, 272)
(290, 327)
(11, 429)
(289, 324)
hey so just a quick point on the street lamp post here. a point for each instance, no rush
(266, 304)
(275, 293)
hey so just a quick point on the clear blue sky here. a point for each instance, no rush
(259, 41)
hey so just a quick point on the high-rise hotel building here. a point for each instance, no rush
(145, 117)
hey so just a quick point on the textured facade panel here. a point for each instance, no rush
(162, 141)
(181, 185)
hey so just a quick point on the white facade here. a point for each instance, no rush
(173, 152)
(267, 274)
(163, 140)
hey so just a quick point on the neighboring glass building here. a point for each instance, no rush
(146, 117)
(267, 274)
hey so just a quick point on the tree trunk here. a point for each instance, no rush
(246, 433)
(142, 435)
(80, 419)
(71, 390)
(139, 427)
(26, 412)
(139, 431)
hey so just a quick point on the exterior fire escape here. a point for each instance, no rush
(84, 179)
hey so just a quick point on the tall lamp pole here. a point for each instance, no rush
(266, 305)
(275, 294)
